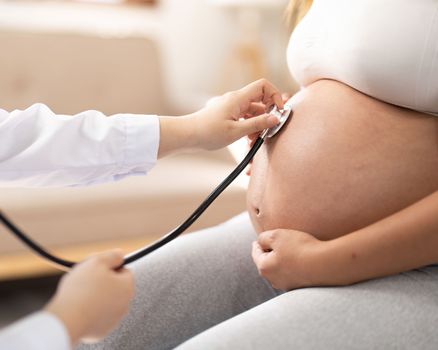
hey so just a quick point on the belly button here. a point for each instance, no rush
(257, 211)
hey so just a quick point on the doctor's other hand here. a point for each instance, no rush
(223, 120)
(93, 297)
(290, 259)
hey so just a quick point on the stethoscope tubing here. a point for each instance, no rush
(34, 246)
(67, 264)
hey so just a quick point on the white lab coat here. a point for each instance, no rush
(39, 148)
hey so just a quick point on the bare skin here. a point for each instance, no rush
(291, 259)
(343, 162)
(222, 121)
(348, 192)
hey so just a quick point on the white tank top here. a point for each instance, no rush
(387, 49)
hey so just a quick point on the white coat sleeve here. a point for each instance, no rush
(40, 148)
(40, 331)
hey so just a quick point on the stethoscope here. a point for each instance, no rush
(283, 116)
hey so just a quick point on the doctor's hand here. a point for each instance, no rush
(290, 259)
(236, 114)
(285, 96)
(224, 120)
(93, 297)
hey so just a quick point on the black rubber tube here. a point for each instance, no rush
(35, 247)
(66, 264)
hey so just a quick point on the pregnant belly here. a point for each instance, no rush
(343, 161)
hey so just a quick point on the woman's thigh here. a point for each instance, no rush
(190, 285)
(397, 312)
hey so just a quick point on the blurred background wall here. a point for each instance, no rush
(164, 58)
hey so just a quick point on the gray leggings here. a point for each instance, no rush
(203, 291)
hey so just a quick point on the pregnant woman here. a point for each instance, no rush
(342, 233)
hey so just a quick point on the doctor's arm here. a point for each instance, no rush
(40, 148)
(401, 242)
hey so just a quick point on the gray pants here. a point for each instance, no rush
(203, 291)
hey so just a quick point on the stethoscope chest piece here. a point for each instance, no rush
(283, 115)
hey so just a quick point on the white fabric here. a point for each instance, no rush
(39, 148)
(386, 49)
(40, 331)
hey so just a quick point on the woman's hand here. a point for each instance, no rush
(224, 120)
(289, 259)
(93, 297)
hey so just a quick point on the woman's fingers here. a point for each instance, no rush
(264, 260)
(257, 253)
(267, 240)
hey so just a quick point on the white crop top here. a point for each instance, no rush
(387, 49)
